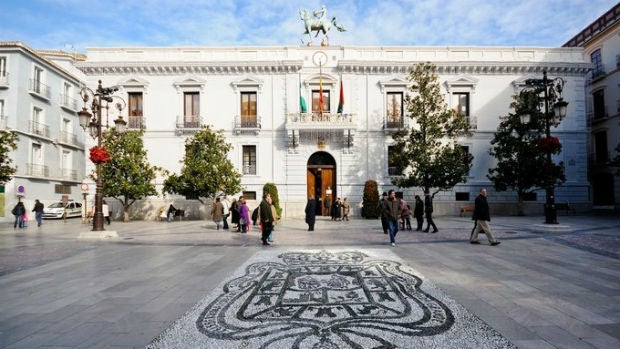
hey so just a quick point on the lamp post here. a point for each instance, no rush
(551, 90)
(101, 98)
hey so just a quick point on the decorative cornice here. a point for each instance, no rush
(458, 68)
(189, 68)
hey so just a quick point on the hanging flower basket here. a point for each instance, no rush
(549, 145)
(99, 155)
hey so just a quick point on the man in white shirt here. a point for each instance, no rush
(226, 203)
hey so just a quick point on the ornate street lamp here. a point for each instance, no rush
(101, 98)
(549, 93)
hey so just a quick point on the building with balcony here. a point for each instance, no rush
(38, 100)
(278, 107)
(601, 41)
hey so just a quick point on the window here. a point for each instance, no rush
(191, 109)
(62, 189)
(597, 61)
(465, 156)
(2, 66)
(2, 116)
(392, 161)
(65, 97)
(316, 101)
(600, 146)
(460, 101)
(248, 109)
(394, 110)
(461, 196)
(36, 124)
(37, 80)
(598, 98)
(135, 110)
(37, 155)
(249, 159)
(249, 195)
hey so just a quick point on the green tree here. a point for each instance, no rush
(521, 165)
(275, 199)
(370, 200)
(128, 176)
(8, 143)
(206, 170)
(427, 153)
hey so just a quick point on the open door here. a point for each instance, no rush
(321, 180)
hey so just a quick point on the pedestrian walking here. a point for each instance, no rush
(171, 211)
(428, 209)
(266, 218)
(418, 212)
(346, 209)
(336, 210)
(394, 210)
(217, 213)
(226, 205)
(310, 213)
(106, 211)
(244, 215)
(406, 220)
(234, 213)
(38, 212)
(19, 210)
(482, 217)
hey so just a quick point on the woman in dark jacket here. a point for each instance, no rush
(310, 213)
(418, 212)
(234, 209)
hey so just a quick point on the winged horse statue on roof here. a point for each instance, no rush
(317, 21)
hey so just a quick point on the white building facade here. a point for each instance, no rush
(38, 100)
(253, 94)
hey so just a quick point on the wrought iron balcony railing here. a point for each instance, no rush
(40, 89)
(136, 122)
(39, 128)
(68, 102)
(246, 124)
(37, 170)
(188, 124)
(320, 121)
(249, 169)
(69, 138)
(69, 174)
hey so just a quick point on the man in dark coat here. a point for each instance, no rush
(266, 218)
(382, 209)
(482, 217)
(394, 211)
(310, 213)
(418, 212)
(428, 208)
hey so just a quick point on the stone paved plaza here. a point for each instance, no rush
(174, 284)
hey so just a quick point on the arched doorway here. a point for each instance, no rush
(321, 175)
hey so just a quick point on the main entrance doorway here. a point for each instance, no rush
(321, 174)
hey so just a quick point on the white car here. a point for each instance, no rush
(58, 210)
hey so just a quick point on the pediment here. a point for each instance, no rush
(189, 81)
(133, 81)
(462, 82)
(325, 79)
(248, 82)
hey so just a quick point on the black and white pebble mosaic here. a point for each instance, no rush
(328, 299)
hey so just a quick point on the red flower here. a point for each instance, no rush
(99, 155)
(549, 144)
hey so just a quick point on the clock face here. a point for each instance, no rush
(319, 58)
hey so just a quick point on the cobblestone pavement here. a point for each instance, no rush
(538, 290)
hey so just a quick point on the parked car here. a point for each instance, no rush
(58, 210)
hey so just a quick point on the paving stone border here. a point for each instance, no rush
(324, 299)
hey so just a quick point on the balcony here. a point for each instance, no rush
(316, 121)
(246, 124)
(39, 89)
(392, 124)
(136, 122)
(38, 128)
(249, 169)
(69, 174)
(472, 122)
(4, 79)
(188, 124)
(37, 170)
(69, 139)
(68, 102)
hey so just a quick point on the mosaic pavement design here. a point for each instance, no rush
(327, 300)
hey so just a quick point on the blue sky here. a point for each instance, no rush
(78, 24)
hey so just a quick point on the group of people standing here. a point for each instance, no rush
(21, 216)
(395, 213)
(265, 214)
(339, 210)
